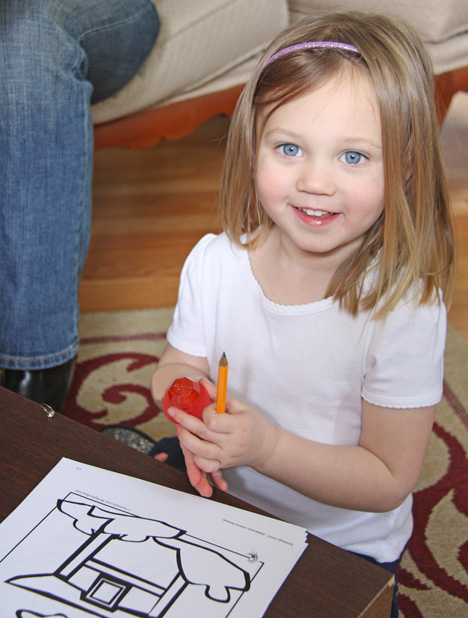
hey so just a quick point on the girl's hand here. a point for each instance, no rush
(199, 479)
(241, 436)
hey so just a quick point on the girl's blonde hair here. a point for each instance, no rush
(411, 245)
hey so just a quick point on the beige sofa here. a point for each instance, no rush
(207, 48)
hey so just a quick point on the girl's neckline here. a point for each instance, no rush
(252, 272)
(271, 305)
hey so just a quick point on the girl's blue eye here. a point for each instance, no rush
(290, 150)
(352, 158)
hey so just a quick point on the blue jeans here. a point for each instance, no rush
(56, 58)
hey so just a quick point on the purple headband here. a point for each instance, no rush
(312, 45)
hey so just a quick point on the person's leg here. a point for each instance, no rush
(168, 448)
(55, 57)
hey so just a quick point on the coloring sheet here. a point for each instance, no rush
(89, 542)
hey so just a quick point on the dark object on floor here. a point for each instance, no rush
(145, 444)
(48, 386)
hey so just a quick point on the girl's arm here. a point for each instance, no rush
(375, 476)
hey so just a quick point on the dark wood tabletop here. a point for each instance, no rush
(326, 581)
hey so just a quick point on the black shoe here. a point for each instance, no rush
(48, 386)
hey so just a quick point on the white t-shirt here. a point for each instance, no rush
(305, 368)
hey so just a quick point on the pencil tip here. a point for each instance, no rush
(223, 360)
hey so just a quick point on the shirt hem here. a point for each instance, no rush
(403, 404)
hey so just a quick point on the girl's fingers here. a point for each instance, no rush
(196, 436)
(204, 488)
(193, 471)
(219, 481)
(211, 388)
(197, 477)
(189, 422)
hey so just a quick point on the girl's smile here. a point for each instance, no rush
(320, 174)
(315, 217)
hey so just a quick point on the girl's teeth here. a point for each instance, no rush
(314, 213)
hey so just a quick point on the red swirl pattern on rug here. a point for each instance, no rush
(455, 480)
(112, 393)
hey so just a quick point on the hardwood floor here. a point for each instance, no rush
(151, 207)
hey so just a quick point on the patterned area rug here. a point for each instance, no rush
(118, 354)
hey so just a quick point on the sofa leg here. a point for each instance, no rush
(145, 129)
(446, 86)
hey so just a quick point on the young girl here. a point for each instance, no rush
(325, 289)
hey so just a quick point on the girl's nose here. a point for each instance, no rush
(315, 177)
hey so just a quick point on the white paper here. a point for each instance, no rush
(89, 542)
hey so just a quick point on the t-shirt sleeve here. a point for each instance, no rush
(404, 364)
(186, 331)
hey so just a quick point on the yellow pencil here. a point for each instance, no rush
(222, 385)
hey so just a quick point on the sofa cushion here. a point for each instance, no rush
(198, 41)
(442, 24)
(436, 20)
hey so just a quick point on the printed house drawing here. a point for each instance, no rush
(122, 565)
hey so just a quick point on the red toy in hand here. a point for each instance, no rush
(186, 395)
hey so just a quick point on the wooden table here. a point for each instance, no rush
(326, 581)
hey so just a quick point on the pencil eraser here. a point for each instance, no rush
(187, 395)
